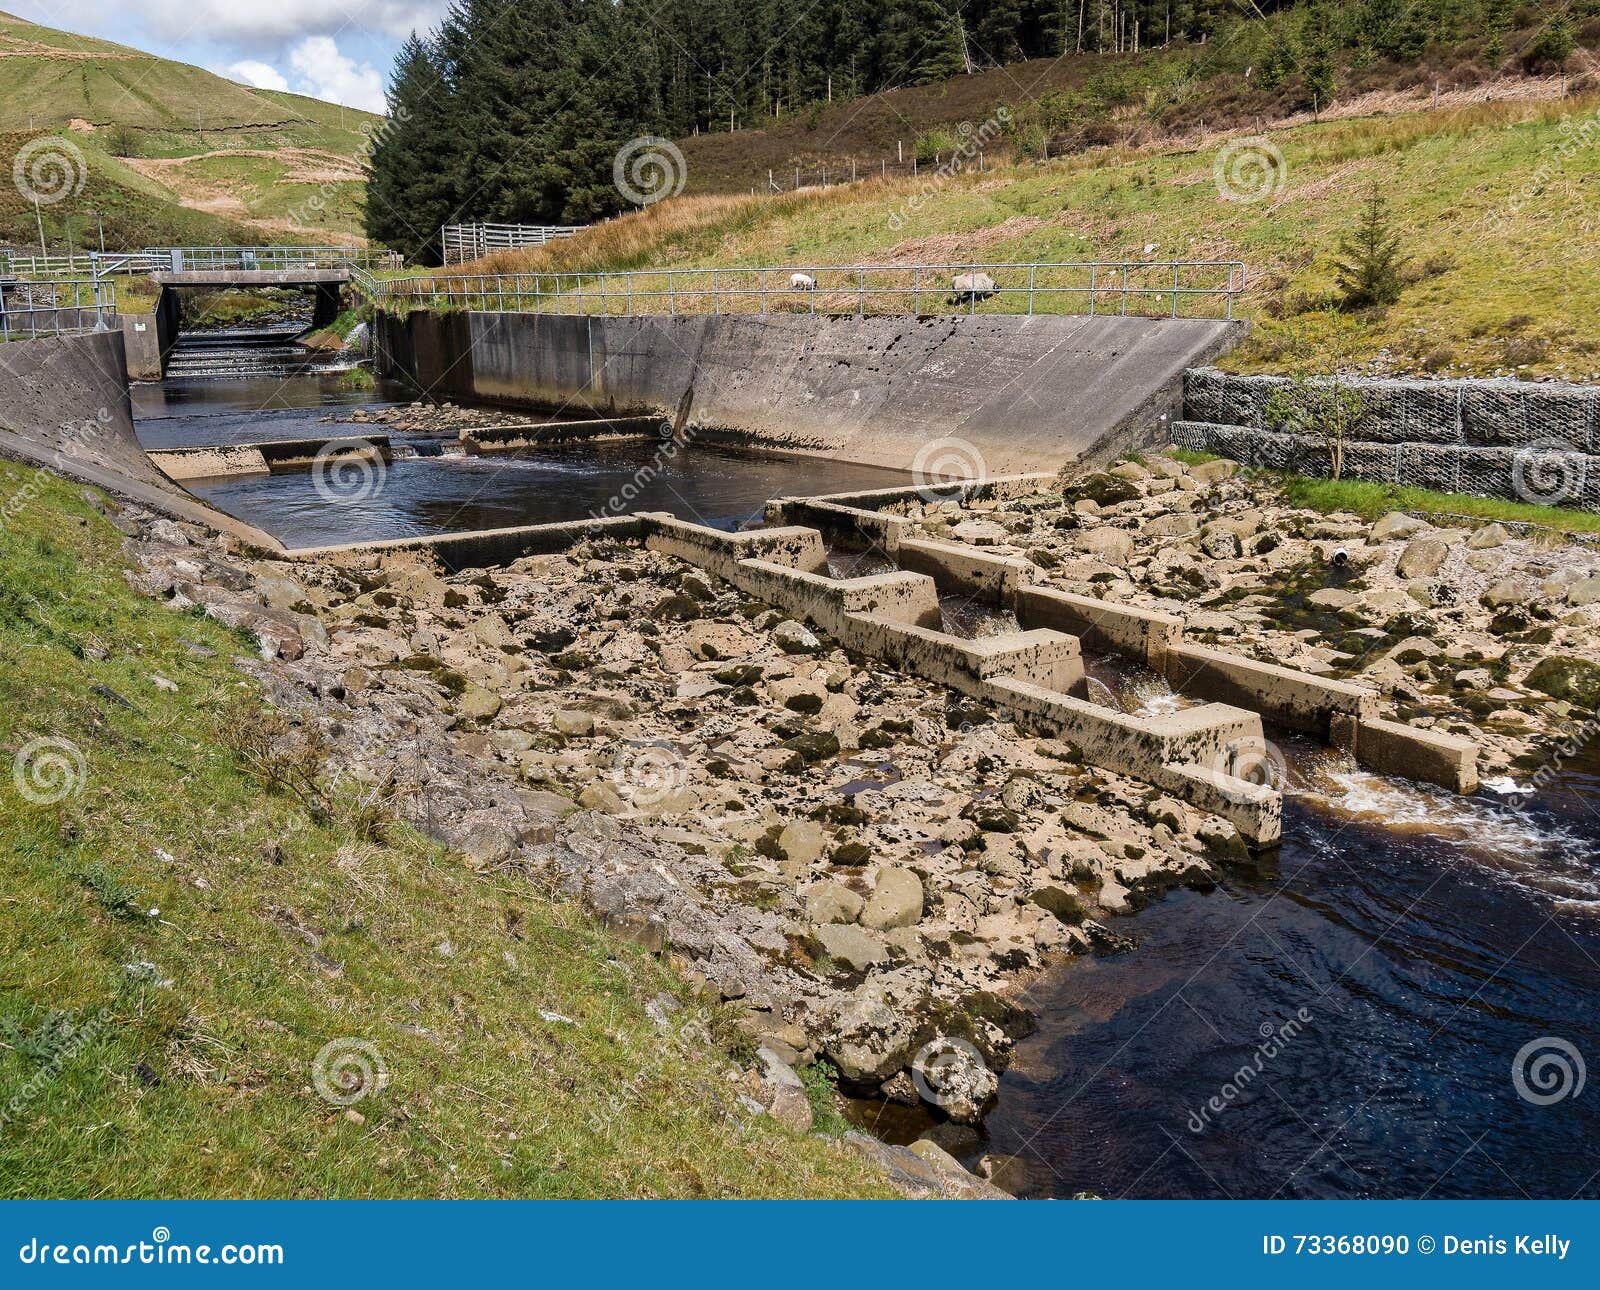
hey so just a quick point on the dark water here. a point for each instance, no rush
(717, 486)
(1427, 938)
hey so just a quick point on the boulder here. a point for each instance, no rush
(896, 900)
(1422, 558)
(1491, 535)
(1508, 591)
(803, 842)
(795, 638)
(866, 1039)
(1584, 593)
(572, 722)
(832, 902)
(849, 945)
(783, 1093)
(1396, 524)
(1566, 676)
(477, 704)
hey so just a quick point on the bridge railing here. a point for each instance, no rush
(178, 259)
(1167, 288)
(55, 307)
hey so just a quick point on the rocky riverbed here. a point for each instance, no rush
(861, 863)
(1474, 629)
(865, 867)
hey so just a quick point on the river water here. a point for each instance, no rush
(278, 391)
(1342, 1019)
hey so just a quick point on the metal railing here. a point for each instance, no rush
(1169, 288)
(179, 259)
(463, 242)
(56, 307)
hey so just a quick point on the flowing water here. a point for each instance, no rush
(1361, 1013)
(279, 391)
(1385, 1007)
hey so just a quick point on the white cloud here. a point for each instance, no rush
(285, 20)
(325, 73)
(260, 75)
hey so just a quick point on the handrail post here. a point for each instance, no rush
(716, 291)
(672, 300)
(861, 294)
(1174, 290)
(1032, 270)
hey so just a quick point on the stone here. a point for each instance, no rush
(832, 902)
(1113, 546)
(478, 704)
(854, 947)
(572, 722)
(280, 593)
(795, 638)
(1584, 593)
(1213, 472)
(1565, 676)
(866, 1039)
(1332, 598)
(802, 841)
(1508, 591)
(1064, 904)
(896, 900)
(1396, 524)
(783, 1092)
(952, 1075)
(602, 795)
(1422, 558)
(1490, 535)
(1175, 525)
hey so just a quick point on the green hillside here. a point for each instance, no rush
(173, 153)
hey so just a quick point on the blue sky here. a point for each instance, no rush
(339, 50)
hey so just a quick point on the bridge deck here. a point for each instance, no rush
(251, 277)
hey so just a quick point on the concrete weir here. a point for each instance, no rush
(1017, 392)
(1338, 712)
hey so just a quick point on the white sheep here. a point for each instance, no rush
(801, 282)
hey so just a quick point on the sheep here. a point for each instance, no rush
(972, 287)
(801, 282)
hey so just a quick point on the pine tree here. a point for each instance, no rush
(405, 202)
(1370, 272)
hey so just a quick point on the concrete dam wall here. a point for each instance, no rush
(64, 407)
(1028, 393)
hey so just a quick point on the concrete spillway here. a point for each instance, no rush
(1026, 393)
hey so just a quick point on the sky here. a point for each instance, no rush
(338, 50)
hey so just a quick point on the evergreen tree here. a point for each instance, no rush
(1371, 268)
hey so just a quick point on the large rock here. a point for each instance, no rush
(1396, 524)
(832, 902)
(1422, 558)
(1565, 676)
(867, 1040)
(856, 949)
(478, 704)
(783, 1094)
(1113, 546)
(896, 900)
(1508, 591)
(1584, 593)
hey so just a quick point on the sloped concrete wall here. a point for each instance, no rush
(64, 407)
(1025, 393)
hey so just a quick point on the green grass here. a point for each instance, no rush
(1488, 202)
(1372, 501)
(171, 1054)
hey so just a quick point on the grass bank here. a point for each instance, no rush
(180, 944)
(1489, 200)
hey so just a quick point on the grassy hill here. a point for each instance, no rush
(173, 153)
(1493, 200)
